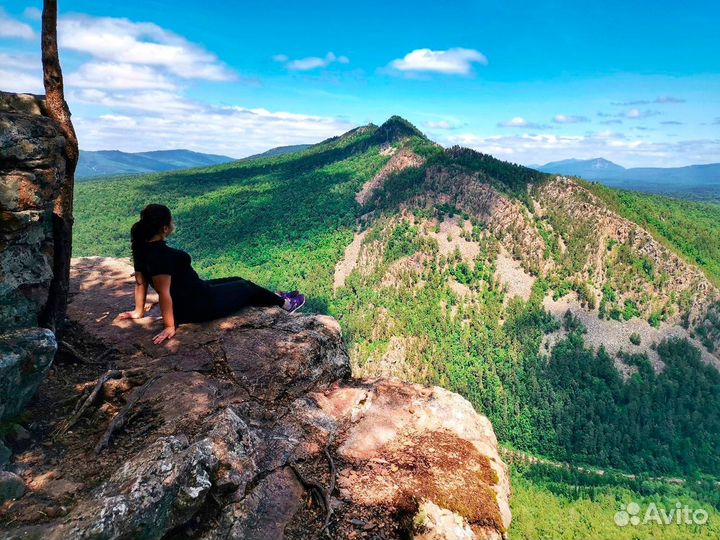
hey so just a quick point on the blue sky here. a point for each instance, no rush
(530, 82)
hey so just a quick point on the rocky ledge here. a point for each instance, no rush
(249, 427)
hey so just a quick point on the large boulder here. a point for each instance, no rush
(252, 427)
(32, 169)
(11, 486)
(25, 358)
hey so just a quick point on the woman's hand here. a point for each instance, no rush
(130, 315)
(167, 333)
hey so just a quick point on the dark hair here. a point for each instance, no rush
(152, 218)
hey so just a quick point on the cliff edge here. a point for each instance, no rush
(250, 426)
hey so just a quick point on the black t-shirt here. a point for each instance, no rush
(188, 291)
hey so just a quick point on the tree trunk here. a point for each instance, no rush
(53, 315)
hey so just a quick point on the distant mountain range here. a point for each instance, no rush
(114, 162)
(94, 164)
(694, 181)
(280, 150)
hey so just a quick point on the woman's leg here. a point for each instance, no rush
(215, 281)
(231, 296)
(260, 296)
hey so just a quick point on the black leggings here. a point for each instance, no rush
(230, 294)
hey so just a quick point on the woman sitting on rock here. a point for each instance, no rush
(184, 296)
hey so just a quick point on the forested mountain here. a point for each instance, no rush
(279, 151)
(591, 169)
(583, 321)
(700, 182)
(114, 162)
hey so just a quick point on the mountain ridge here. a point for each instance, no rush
(96, 163)
(278, 151)
(689, 180)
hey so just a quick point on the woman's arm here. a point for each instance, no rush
(141, 287)
(161, 282)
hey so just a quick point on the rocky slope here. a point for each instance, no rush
(556, 229)
(250, 427)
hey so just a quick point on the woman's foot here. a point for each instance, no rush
(293, 301)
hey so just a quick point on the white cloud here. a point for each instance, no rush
(129, 93)
(126, 42)
(569, 119)
(12, 28)
(630, 103)
(310, 63)
(118, 120)
(520, 122)
(636, 114)
(114, 76)
(632, 114)
(154, 119)
(152, 101)
(664, 100)
(442, 124)
(17, 81)
(628, 151)
(456, 61)
(669, 99)
(20, 61)
(21, 73)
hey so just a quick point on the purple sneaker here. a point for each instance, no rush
(287, 294)
(295, 299)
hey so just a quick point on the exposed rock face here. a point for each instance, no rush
(252, 427)
(32, 167)
(684, 293)
(545, 243)
(400, 161)
(506, 217)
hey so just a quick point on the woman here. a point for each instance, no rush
(184, 296)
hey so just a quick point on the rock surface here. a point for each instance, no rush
(402, 160)
(11, 486)
(251, 426)
(32, 168)
(25, 358)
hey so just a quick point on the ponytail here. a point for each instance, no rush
(152, 218)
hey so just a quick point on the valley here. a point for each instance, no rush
(583, 321)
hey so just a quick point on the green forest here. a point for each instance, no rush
(285, 221)
(690, 228)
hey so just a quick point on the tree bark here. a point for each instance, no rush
(53, 314)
